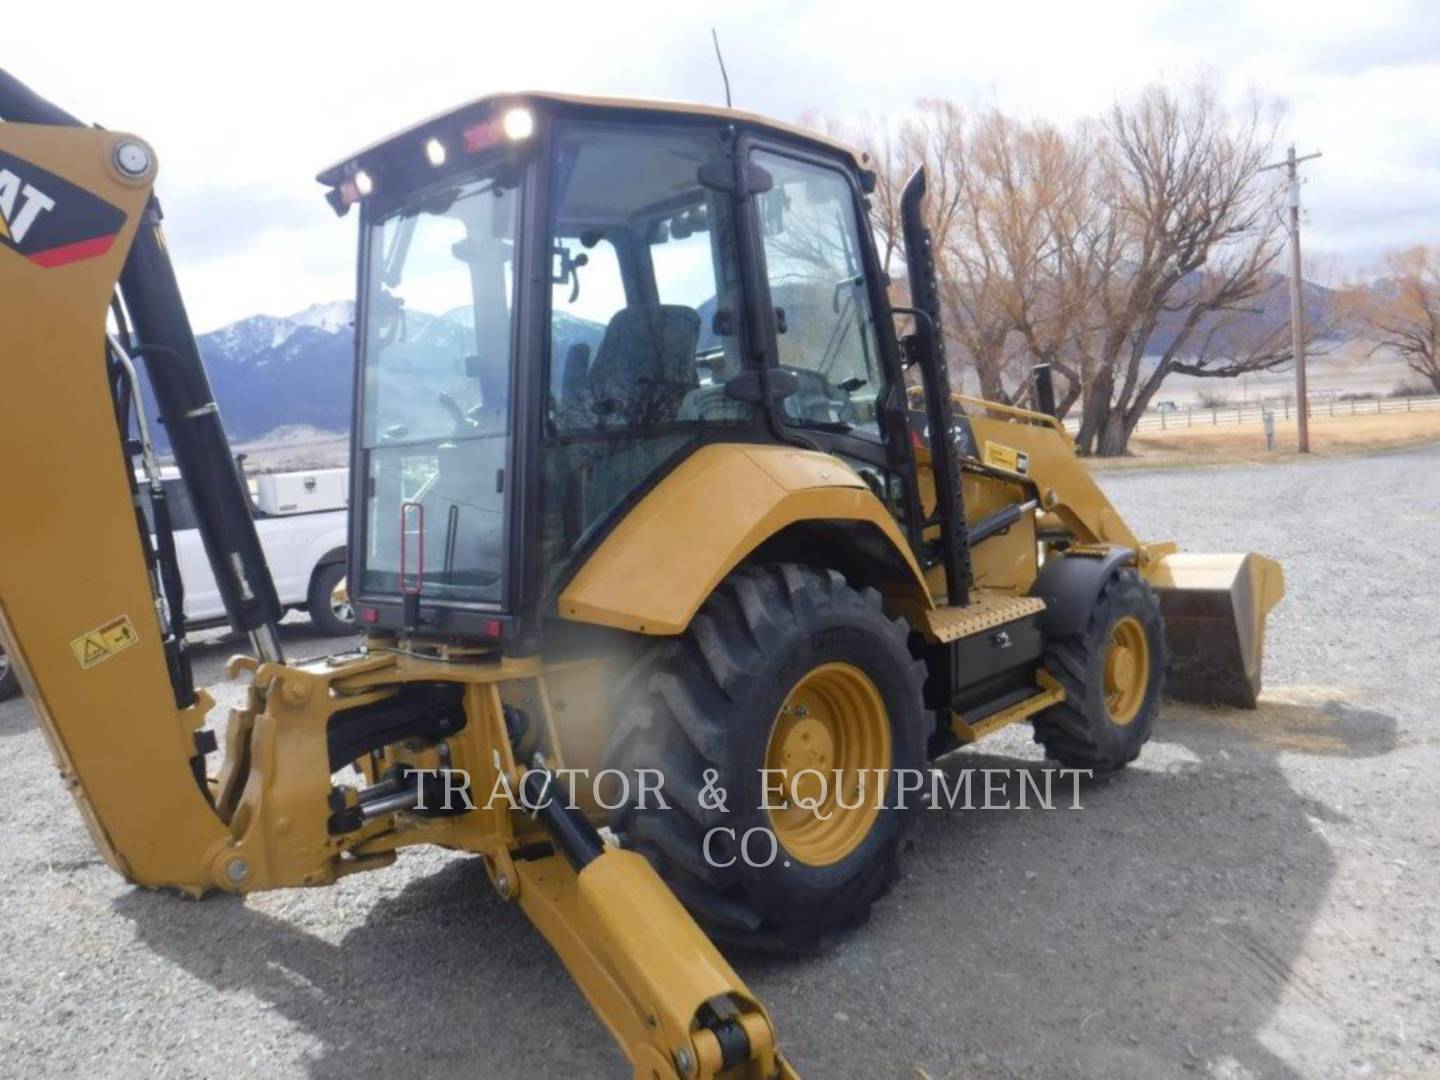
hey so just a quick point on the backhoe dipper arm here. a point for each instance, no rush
(166, 342)
(77, 613)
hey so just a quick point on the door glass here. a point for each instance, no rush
(644, 302)
(435, 392)
(826, 328)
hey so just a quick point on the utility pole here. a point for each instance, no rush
(1297, 312)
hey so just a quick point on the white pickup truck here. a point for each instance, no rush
(301, 519)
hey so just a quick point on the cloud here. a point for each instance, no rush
(208, 222)
(244, 105)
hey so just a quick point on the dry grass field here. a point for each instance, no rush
(1237, 443)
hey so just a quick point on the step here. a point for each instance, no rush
(985, 611)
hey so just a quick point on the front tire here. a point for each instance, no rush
(329, 616)
(788, 669)
(1113, 673)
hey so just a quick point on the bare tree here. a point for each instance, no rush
(1120, 252)
(1402, 311)
(1195, 237)
(999, 195)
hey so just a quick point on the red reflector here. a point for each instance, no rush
(492, 628)
(369, 614)
(484, 135)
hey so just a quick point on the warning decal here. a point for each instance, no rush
(104, 642)
(1004, 457)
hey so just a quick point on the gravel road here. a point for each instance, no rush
(1256, 897)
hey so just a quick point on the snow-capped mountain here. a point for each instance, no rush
(270, 372)
(295, 373)
(338, 315)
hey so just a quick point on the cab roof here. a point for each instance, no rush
(490, 103)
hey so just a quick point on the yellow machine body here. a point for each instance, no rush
(718, 507)
(79, 620)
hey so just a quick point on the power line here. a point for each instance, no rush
(1297, 312)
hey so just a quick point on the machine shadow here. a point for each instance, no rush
(1026, 939)
(1045, 943)
(16, 717)
(436, 982)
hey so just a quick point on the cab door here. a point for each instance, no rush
(831, 320)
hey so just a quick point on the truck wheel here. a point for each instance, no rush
(9, 681)
(785, 669)
(1112, 673)
(331, 617)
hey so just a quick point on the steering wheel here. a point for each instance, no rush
(464, 425)
(814, 384)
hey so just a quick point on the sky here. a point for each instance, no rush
(245, 103)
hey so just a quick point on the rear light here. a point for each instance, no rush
(369, 615)
(484, 135)
(493, 628)
(513, 125)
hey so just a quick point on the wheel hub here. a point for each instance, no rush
(1127, 670)
(829, 749)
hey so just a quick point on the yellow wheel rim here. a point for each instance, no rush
(828, 760)
(1127, 670)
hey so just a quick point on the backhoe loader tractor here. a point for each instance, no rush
(652, 483)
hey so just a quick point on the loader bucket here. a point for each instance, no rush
(1214, 608)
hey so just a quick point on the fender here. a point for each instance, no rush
(665, 557)
(1071, 584)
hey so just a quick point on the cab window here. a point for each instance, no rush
(644, 302)
(825, 324)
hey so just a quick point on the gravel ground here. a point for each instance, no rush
(1254, 898)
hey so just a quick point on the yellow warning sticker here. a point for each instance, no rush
(104, 641)
(1007, 458)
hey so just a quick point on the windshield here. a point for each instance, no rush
(434, 420)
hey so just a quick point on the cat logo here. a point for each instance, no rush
(49, 220)
(15, 221)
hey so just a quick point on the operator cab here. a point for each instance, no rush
(561, 299)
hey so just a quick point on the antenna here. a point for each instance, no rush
(716, 38)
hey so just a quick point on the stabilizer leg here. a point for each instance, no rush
(674, 1005)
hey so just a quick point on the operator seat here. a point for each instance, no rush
(643, 369)
(645, 365)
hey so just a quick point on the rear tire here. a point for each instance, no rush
(330, 618)
(9, 681)
(1113, 674)
(787, 668)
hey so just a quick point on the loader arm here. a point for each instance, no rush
(1214, 605)
(84, 622)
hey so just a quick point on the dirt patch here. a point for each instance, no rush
(1321, 721)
